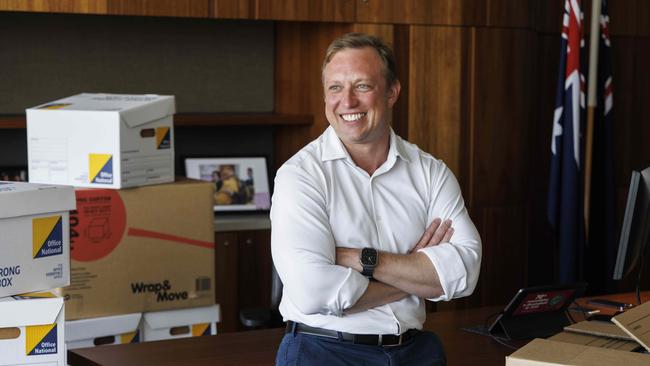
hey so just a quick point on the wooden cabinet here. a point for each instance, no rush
(242, 274)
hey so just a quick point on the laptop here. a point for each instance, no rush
(534, 312)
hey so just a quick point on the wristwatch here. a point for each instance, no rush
(369, 258)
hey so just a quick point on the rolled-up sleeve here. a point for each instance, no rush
(303, 248)
(457, 262)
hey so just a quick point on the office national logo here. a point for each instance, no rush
(101, 168)
(47, 236)
(163, 138)
(40, 340)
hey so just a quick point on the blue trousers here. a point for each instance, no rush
(298, 349)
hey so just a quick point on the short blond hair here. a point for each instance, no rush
(362, 40)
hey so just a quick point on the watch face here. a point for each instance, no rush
(368, 257)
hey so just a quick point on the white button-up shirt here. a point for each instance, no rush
(323, 200)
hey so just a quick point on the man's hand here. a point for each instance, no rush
(438, 232)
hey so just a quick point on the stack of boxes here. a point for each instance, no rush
(34, 256)
(139, 243)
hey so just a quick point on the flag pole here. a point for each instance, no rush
(591, 105)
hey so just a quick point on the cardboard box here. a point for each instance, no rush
(543, 352)
(102, 140)
(141, 249)
(592, 343)
(34, 239)
(118, 329)
(32, 330)
(180, 323)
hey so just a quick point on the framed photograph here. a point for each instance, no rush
(241, 184)
(16, 174)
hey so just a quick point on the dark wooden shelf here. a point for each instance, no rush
(202, 120)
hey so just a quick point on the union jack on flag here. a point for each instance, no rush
(565, 198)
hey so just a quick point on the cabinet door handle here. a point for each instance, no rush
(249, 241)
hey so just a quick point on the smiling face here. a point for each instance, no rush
(358, 101)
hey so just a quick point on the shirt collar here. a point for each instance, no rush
(333, 147)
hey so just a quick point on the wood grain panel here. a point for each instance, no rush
(627, 120)
(300, 48)
(56, 6)
(502, 112)
(547, 16)
(438, 12)
(508, 13)
(233, 9)
(503, 267)
(641, 119)
(438, 86)
(226, 263)
(540, 238)
(625, 16)
(173, 8)
(313, 10)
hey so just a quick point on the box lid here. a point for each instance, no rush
(134, 109)
(76, 330)
(636, 323)
(20, 199)
(30, 309)
(543, 352)
(179, 317)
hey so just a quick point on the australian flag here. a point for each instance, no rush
(565, 199)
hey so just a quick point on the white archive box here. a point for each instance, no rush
(180, 323)
(118, 329)
(35, 237)
(32, 330)
(102, 140)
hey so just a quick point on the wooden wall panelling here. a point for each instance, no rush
(504, 265)
(540, 239)
(56, 6)
(503, 81)
(299, 52)
(641, 119)
(508, 13)
(449, 12)
(438, 104)
(313, 10)
(547, 16)
(226, 254)
(626, 75)
(232, 9)
(625, 16)
(641, 14)
(174, 8)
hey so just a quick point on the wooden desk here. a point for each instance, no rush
(259, 347)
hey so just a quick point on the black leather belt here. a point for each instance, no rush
(367, 339)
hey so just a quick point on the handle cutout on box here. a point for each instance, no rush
(147, 132)
(9, 333)
(175, 331)
(104, 340)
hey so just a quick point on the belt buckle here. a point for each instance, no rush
(399, 341)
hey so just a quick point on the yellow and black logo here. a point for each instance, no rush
(101, 168)
(40, 340)
(47, 236)
(163, 138)
(202, 329)
(130, 337)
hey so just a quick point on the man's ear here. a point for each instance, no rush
(393, 92)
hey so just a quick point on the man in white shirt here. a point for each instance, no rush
(357, 236)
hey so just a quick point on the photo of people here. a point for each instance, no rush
(13, 174)
(240, 183)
